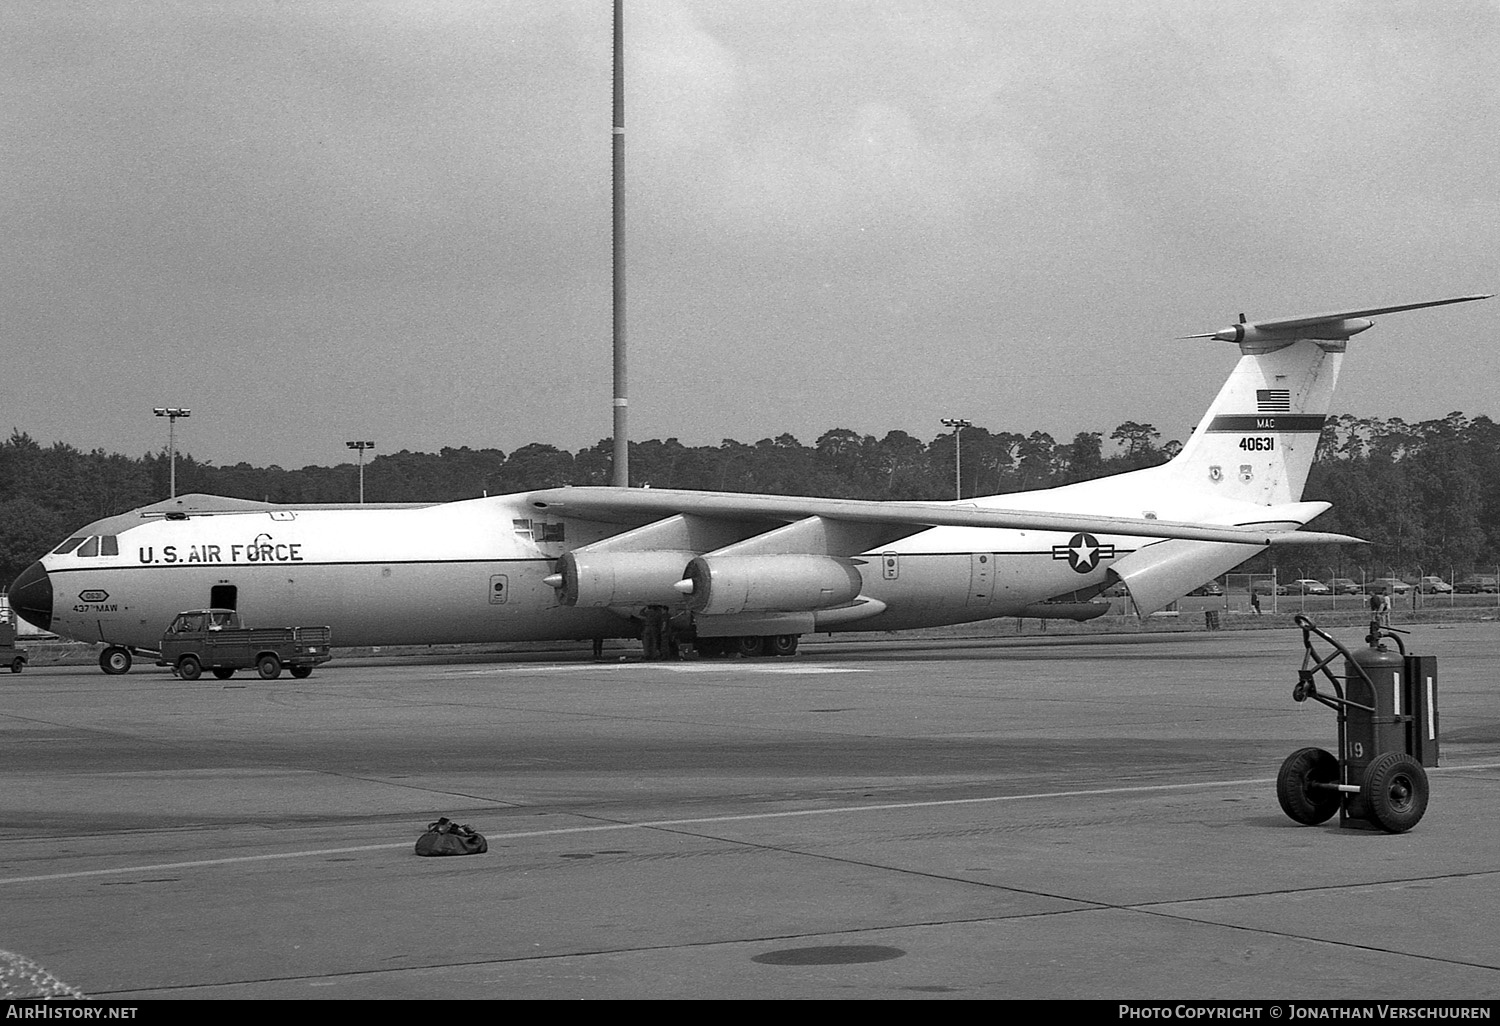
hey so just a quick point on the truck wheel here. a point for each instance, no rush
(1299, 799)
(189, 668)
(301, 671)
(269, 666)
(223, 672)
(1395, 786)
(17, 664)
(115, 660)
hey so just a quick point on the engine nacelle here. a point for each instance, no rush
(784, 583)
(599, 579)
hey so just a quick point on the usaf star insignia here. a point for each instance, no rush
(1083, 552)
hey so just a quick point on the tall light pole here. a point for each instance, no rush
(172, 413)
(957, 424)
(361, 447)
(620, 470)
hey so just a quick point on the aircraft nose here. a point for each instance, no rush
(31, 596)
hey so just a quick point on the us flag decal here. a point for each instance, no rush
(1273, 400)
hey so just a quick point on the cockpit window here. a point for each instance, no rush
(109, 545)
(90, 547)
(68, 546)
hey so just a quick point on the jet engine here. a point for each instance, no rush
(717, 585)
(599, 579)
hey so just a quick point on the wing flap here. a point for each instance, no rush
(1159, 575)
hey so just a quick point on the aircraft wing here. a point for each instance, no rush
(638, 506)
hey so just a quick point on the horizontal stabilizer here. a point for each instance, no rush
(1329, 326)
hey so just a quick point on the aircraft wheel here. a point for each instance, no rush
(750, 645)
(223, 672)
(301, 671)
(269, 666)
(1395, 786)
(1299, 799)
(17, 664)
(115, 660)
(783, 644)
(189, 668)
(711, 648)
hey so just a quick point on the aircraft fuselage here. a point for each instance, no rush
(473, 571)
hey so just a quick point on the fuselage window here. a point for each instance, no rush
(68, 546)
(550, 532)
(90, 547)
(521, 527)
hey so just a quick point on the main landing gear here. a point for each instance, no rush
(748, 646)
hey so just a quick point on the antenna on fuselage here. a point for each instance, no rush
(620, 470)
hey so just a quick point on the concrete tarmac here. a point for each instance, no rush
(1088, 817)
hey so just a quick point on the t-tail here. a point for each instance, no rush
(1248, 460)
(1257, 441)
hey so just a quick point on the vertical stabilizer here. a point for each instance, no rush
(1256, 442)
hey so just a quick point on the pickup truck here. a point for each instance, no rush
(216, 640)
(10, 655)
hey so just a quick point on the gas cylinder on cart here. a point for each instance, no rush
(1386, 713)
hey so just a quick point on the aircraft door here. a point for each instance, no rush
(223, 596)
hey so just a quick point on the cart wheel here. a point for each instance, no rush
(1395, 786)
(1301, 801)
(189, 668)
(269, 666)
(223, 672)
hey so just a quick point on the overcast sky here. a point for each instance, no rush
(313, 221)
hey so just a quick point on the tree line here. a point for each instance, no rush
(1426, 495)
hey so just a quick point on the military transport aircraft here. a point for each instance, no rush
(732, 572)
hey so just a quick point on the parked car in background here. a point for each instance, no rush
(1477, 584)
(1268, 588)
(1211, 588)
(1344, 586)
(1433, 585)
(1307, 586)
(1387, 586)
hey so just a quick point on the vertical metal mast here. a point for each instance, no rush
(620, 475)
